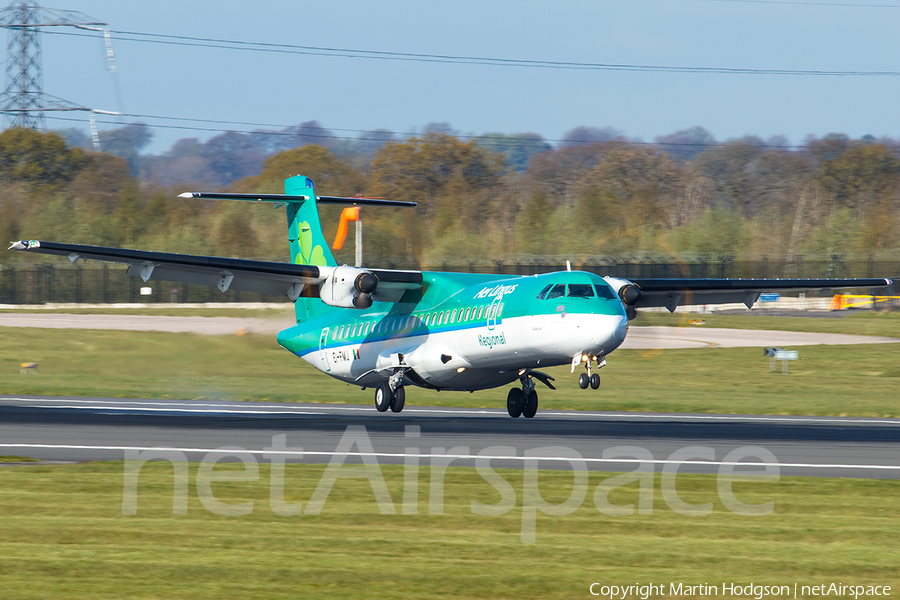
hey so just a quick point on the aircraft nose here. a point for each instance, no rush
(621, 330)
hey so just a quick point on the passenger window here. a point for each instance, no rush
(468, 310)
(604, 291)
(353, 331)
(341, 333)
(453, 316)
(480, 311)
(543, 294)
(440, 318)
(366, 332)
(500, 310)
(557, 291)
(581, 290)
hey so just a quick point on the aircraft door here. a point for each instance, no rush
(323, 353)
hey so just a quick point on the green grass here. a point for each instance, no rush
(17, 459)
(859, 380)
(63, 535)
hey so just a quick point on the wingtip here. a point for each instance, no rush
(19, 245)
(188, 195)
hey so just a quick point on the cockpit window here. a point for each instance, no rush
(580, 290)
(604, 291)
(557, 291)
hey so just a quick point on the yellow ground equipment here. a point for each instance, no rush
(844, 301)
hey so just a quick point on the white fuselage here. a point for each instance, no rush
(480, 356)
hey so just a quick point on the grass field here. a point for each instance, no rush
(858, 380)
(63, 535)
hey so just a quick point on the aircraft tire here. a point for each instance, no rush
(584, 381)
(383, 396)
(531, 405)
(399, 400)
(595, 381)
(515, 401)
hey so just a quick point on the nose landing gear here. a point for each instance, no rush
(588, 379)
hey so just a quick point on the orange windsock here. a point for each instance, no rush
(348, 214)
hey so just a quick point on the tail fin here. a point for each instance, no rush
(308, 245)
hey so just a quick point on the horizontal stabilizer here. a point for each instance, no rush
(288, 198)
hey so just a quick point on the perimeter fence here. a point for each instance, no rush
(100, 283)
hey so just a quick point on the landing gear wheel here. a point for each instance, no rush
(584, 381)
(399, 400)
(383, 396)
(595, 381)
(515, 402)
(531, 405)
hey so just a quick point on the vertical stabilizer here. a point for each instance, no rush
(308, 245)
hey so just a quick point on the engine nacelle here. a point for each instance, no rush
(348, 287)
(628, 293)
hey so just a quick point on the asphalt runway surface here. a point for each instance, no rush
(81, 429)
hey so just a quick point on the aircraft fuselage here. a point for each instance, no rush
(465, 331)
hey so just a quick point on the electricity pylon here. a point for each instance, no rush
(24, 101)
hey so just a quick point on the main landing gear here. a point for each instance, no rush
(390, 394)
(589, 379)
(524, 401)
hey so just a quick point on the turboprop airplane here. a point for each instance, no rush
(390, 329)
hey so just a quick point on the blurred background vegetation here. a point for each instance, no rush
(489, 197)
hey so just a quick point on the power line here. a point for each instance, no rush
(266, 47)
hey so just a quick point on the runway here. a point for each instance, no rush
(79, 429)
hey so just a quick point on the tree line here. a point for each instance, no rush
(485, 198)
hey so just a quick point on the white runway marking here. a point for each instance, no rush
(300, 454)
(268, 409)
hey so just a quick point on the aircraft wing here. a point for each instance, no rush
(672, 293)
(272, 278)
